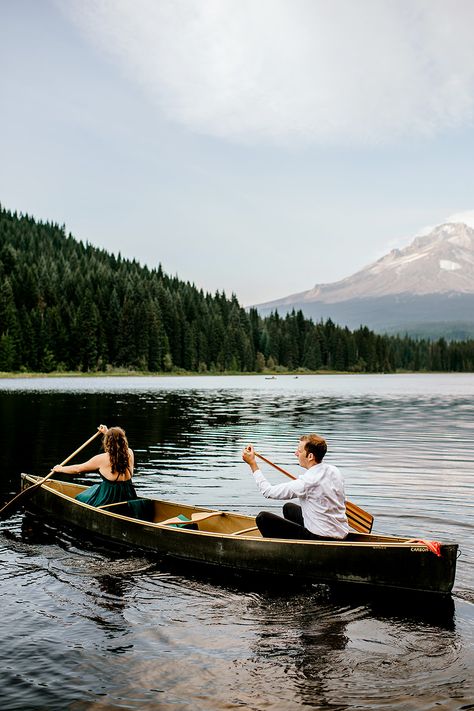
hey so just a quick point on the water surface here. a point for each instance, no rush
(92, 628)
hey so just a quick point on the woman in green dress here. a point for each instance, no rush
(115, 468)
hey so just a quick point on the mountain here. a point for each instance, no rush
(425, 289)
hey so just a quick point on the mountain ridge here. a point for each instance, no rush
(447, 252)
(432, 279)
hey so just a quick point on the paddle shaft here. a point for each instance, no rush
(358, 519)
(275, 466)
(30, 489)
(79, 449)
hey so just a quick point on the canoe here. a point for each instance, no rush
(227, 542)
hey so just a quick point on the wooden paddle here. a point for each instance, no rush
(195, 517)
(357, 518)
(12, 505)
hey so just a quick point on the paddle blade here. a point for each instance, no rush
(358, 519)
(14, 505)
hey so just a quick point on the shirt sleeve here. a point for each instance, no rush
(291, 490)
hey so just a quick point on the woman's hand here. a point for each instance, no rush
(103, 429)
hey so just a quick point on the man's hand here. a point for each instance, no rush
(248, 455)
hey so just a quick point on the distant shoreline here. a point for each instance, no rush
(177, 374)
(187, 374)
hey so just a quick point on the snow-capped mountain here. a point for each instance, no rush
(430, 280)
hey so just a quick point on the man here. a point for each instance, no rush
(320, 490)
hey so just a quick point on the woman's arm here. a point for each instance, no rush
(90, 466)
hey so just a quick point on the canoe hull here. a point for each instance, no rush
(410, 567)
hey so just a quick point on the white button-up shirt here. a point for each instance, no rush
(320, 490)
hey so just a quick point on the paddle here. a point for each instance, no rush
(195, 517)
(358, 519)
(12, 505)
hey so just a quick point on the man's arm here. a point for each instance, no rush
(287, 490)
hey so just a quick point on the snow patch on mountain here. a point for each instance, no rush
(448, 265)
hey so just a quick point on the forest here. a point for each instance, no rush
(68, 306)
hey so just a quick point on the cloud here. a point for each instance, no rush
(294, 71)
(466, 217)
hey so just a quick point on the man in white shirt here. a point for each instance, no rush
(321, 513)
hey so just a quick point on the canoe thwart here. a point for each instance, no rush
(244, 530)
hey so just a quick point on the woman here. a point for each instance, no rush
(115, 467)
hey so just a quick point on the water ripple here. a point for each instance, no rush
(89, 628)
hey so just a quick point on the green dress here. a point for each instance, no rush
(108, 492)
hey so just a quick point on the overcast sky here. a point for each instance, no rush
(257, 147)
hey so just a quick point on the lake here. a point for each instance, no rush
(86, 627)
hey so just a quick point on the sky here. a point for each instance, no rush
(256, 148)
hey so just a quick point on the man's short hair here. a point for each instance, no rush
(315, 445)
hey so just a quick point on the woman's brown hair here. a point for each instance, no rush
(116, 445)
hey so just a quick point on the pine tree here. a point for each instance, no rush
(65, 304)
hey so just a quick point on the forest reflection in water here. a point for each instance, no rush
(92, 627)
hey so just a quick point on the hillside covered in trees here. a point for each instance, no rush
(69, 306)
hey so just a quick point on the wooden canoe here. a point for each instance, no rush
(224, 541)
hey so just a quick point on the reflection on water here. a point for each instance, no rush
(124, 631)
(129, 631)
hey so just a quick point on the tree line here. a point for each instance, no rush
(69, 306)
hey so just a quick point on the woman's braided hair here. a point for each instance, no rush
(116, 445)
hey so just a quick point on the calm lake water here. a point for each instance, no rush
(90, 628)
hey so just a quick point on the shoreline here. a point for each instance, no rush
(187, 374)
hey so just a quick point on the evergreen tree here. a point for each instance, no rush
(9, 326)
(65, 304)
